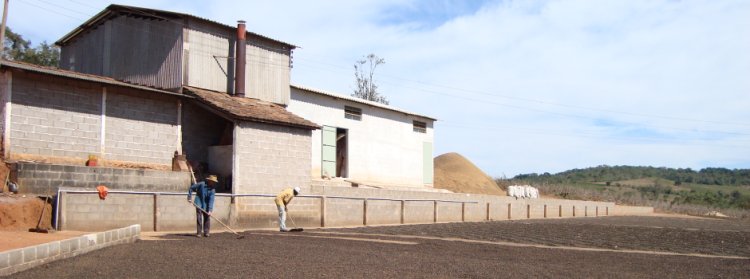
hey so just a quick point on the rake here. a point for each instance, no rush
(220, 222)
(295, 229)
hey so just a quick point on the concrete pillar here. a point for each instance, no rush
(585, 210)
(156, 212)
(574, 211)
(435, 212)
(463, 212)
(545, 211)
(597, 211)
(559, 210)
(403, 210)
(364, 213)
(322, 211)
(488, 211)
(528, 211)
(61, 210)
(509, 212)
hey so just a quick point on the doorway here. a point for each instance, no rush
(342, 153)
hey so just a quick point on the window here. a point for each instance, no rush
(420, 127)
(352, 113)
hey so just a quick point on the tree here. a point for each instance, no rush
(16, 48)
(366, 87)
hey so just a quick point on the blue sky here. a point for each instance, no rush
(516, 86)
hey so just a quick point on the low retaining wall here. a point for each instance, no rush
(47, 178)
(83, 210)
(21, 259)
(622, 210)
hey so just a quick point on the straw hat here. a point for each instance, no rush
(212, 178)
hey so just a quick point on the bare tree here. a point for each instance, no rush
(364, 72)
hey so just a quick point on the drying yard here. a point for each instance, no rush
(603, 247)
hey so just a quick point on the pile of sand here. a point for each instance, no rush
(20, 213)
(455, 173)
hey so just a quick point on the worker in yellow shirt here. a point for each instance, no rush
(282, 200)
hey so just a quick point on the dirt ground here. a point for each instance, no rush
(604, 247)
(22, 212)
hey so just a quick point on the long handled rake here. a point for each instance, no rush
(192, 175)
(295, 229)
(220, 222)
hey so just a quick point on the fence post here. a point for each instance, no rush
(574, 211)
(509, 213)
(322, 211)
(528, 211)
(463, 211)
(606, 210)
(61, 211)
(585, 211)
(435, 211)
(364, 213)
(545, 211)
(559, 210)
(597, 211)
(156, 212)
(403, 206)
(488, 211)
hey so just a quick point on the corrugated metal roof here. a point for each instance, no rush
(249, 109)
(358, 100)
(101, 16)
(79, 76)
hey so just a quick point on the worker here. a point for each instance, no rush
(205, 191)
(282, 200)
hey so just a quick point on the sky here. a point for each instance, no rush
(517, 86)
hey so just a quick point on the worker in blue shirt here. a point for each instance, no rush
(205, 191)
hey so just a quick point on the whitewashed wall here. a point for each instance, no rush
(382, 147)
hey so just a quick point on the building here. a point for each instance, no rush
(136, 85)
(366, 142)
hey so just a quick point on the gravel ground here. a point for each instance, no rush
(460, 250)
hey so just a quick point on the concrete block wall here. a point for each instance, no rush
(383, 212)
(47, 178)
(475, 212)
(259, 210)
(344, 212)
(175, 213)
(449, 212)
(153, 212)
(270, 158)
(86, 212)
(622, 210)
(140, 128)
(21, 259)
(419, 212)
(56, 119)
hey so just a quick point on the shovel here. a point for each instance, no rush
(220, 222)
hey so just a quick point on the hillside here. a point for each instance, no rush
(455, 173)
(707, 176)
(669, 190)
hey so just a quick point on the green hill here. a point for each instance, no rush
(666, 189)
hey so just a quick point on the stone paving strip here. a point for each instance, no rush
(12, 261)
(513, 244)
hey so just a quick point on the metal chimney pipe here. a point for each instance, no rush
(239, 62)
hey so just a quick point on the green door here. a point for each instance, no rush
(427, 163)
(328, 164)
